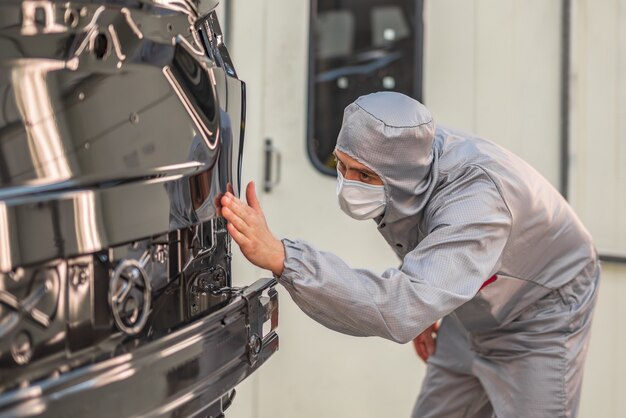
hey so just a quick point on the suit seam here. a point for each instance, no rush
(512, 276)
(393, 126)
(506, 205)
(498, 190)
(566, 334)
(382, 316)
(508, 209)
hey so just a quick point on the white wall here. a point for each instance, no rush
(598, 186)
(502, 93)
(599, 121)
(491, 67)
(316, 372)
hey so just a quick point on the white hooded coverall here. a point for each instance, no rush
(461, 210)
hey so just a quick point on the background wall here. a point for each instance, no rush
(598, 186)
(491, 67)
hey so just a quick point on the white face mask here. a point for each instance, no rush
(359, 200)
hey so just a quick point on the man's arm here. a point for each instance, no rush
(463, 249)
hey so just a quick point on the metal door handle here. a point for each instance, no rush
(270, 151)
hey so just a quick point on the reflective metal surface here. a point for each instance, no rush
(94, 96)
(121, 124)
(181, 374)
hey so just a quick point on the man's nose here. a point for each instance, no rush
(351, 175)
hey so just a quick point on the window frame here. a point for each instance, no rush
(418, 51)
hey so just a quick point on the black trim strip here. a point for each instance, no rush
(418, 89)
(566, 24)
(610, 258)
(310, 147)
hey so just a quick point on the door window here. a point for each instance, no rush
(358, 47)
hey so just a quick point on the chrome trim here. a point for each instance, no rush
(155, 380)
(128, 279)
(80, 214)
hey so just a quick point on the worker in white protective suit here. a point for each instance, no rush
(488, 246)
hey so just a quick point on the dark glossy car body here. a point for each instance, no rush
(121, 124)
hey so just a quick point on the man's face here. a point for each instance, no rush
(351, 169)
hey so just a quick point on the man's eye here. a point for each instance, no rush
(365, 177)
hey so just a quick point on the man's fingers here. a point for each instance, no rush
(429, 344)
(234, 219)
(415, 345)
(433, 336)
(236, 206)
(423, 352)
(426, 343)
(239, 238)
(251, 197)
(420, 347)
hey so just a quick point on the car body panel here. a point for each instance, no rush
(121, 125)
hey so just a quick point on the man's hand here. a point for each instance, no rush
(248, 227)
(426, 342)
